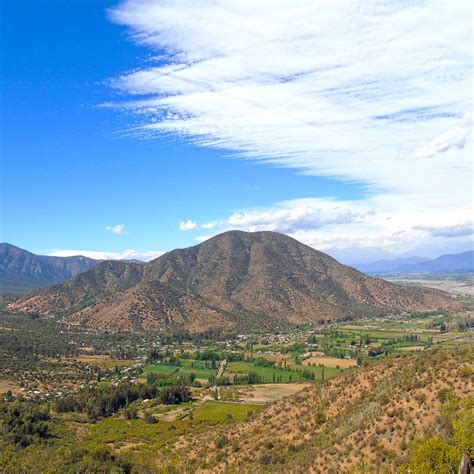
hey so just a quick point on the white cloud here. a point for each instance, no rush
(374, 225)
(129, 254)
(208, 225)
(455, 230)
(116, 229)
(187, 225)
(328, 88)
(453, 138)
(289, 219)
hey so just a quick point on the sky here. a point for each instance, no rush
(132, 128)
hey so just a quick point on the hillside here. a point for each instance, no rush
(236, 280)
(22, 271)
(361, 421)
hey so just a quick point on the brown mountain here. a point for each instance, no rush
(235, 280)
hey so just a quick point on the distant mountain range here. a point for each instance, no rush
(233, 281)
(22, 271)
(452, 263)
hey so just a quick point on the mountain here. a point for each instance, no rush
(22, 271)
(236, 280)
(453, 263)
(381, 267)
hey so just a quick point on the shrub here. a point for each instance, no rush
(221, 441)
(319, 417)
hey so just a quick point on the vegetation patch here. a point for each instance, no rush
(226, 411)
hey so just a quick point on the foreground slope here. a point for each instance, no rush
(22, 271)
(236, 280)
(364, 420)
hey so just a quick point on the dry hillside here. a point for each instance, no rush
(234, 280)
(362, 421)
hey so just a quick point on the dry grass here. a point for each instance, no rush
(369, 415)
(270, 392)
(332, 362)
(103, 361)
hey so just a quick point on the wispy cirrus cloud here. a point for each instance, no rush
(455, 230)
(453, 138)
(335, 89)
(332, 88)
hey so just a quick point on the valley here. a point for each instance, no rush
(249, 352)
(232, 384)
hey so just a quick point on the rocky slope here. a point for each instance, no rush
(235, 280)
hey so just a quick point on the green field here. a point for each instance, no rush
(267, 373)
(220, 411)
(200, 373)
(328, 371)
(161, 369)
(197, 364)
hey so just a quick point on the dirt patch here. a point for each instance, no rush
(5, 386)
(270, 392)
(330, 362)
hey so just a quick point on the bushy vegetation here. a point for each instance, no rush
(438, 454)
(99, 402)
(175, 395)
(23, 423)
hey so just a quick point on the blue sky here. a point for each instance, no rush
(133, 128)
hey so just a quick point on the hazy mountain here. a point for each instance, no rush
(22, 271)
(388, 266)
(234, 280)
(454, 263)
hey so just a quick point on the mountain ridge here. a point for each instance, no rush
(23, 271)
(448, 263)
(233, 280)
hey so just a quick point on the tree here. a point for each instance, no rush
(23, 423)
(175, 395)
(434, 455)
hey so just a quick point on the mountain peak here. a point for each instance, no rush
(233, 281)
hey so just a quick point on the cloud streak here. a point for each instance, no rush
(331, 88)
(456, 230)
(453, 138)
(338, 89)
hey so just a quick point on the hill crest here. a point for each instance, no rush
(235, 280)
